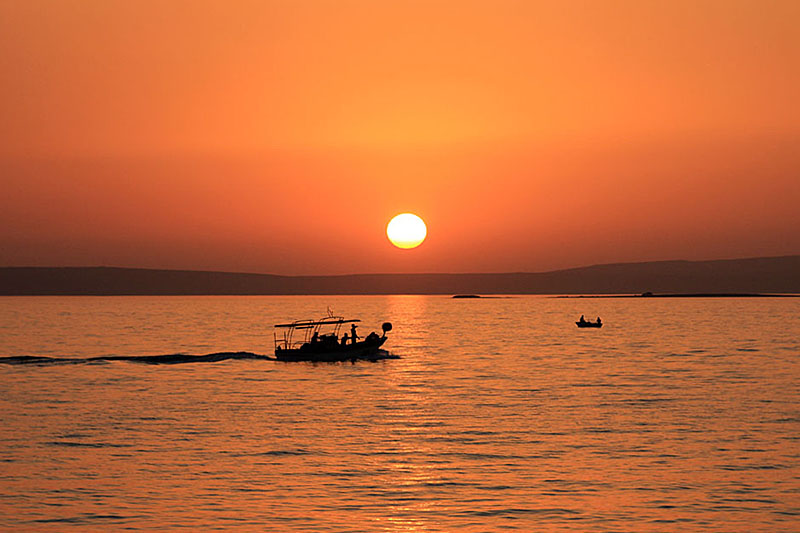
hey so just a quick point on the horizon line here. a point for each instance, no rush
(402, 273)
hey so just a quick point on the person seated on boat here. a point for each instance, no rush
(315, 338)
(345, 338)
(582, 320)
(372, 337)
(598, 320)
(353, 335)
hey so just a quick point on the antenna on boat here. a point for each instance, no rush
(330, 313)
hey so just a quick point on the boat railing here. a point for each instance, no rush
(284, 344)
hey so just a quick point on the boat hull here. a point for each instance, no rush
(589, 324)
(368, 349)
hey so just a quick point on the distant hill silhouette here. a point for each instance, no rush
(759, 275)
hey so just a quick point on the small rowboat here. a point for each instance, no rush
(584, 324)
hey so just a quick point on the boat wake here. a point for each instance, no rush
(168, 359)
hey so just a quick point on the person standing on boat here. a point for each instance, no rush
(353, 334)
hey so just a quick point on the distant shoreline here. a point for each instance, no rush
(757, 277)
(688, 295)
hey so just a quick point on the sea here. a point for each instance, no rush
(498, 414)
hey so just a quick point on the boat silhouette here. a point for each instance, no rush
(582, 323)
(321, 342)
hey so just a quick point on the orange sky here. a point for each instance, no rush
(281, 136)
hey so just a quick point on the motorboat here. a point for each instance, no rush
(320, 341)
(586, 324)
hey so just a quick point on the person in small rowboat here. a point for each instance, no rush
(582, 320)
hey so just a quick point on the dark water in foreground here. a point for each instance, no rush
(679, 415)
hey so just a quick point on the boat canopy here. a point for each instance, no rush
(305, 324)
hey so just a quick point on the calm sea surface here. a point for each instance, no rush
(678, 415)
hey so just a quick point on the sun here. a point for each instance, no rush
(406, 230)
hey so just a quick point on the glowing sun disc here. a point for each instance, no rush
(406, 230)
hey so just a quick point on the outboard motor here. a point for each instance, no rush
(386, 327)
